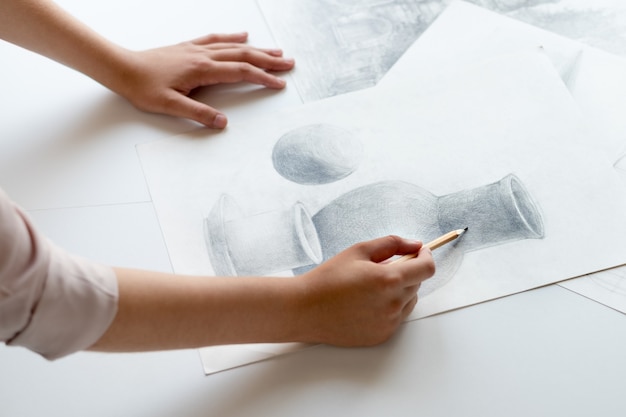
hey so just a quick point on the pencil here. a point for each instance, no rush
(434, 244)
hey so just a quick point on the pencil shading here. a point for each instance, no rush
(317, 154)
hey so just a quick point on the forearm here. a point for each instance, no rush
(43, 27)
(159, 311)
(353, 299)
(157, 80)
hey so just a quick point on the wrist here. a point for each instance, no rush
(112, 66)
(304, 306)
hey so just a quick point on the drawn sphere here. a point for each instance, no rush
(317, 154)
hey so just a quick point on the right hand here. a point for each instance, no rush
(356, 299)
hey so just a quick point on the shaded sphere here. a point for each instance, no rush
(317, 154)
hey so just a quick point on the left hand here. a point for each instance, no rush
(160, 80)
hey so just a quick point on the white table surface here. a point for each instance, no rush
(67, 155)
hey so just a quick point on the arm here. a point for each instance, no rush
(353, 299)
(55, 303)
(157, 80)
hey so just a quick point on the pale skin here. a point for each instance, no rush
(356, 298)
(156, 80)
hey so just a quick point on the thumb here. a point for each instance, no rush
(188, 108)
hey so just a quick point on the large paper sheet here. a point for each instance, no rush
(343, 46)
(501, 149)
(465, 35)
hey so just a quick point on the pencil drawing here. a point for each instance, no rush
(347, 46)
(283, 240)
(317, 154)
(262, 243)
(495, 213)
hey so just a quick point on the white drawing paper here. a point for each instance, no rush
(465, 35)
(343, 46)
(509, 124)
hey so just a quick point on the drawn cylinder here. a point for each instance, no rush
(263, 243)
(501, 211)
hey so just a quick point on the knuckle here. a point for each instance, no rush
(212, 37)
(201, 64)
(392, 239)
(199, 113)
(245, 68)
(430, 268)
(391, 279)
(359, 245)
(246, 55)
(394, 307)
(168, 102)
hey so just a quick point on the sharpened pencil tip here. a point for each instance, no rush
(465, 230)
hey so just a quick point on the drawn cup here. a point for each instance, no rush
(260, 244)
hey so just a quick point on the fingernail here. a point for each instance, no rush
(220, 121)
(276, 83)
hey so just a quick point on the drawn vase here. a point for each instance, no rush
(494, 213)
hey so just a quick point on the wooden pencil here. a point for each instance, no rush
(434, 244)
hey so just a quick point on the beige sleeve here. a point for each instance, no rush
(51, 302)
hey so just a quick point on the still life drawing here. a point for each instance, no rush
(281, 199)
(298, 240)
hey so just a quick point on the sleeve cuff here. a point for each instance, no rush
(78, 303)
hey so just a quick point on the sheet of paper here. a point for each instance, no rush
(465, 35)
(508, 127)
(344, 46)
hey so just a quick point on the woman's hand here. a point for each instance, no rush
(157, 80)
(160, 80)
(356, 299)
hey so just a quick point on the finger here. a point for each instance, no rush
(182, 106)
(232, 45)
(213, 38)
(383, 248)
(417, 269)
(258, 58)
(233, 72)
(272, 52)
